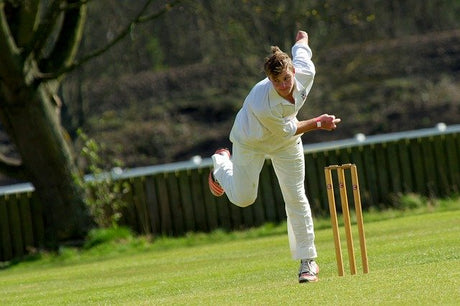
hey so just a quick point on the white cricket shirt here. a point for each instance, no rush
(267, 122)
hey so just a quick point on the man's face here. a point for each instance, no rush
(283, 83)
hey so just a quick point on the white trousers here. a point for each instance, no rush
(239, 177)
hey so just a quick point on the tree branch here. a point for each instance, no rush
(12, 168)
(10, 61)
(140, 18)
(70, 34)
(38, 41)
(167, 7)
(26, 17)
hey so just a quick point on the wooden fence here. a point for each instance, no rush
(174, 199)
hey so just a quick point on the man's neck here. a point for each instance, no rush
(289, 97)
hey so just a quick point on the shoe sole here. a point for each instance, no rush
(316, 279)
(308, 280)
(215, 189)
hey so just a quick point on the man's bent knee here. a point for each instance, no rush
(243, 201)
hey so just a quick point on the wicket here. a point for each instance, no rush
(346, 216)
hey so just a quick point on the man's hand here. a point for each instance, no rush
(302, 36)
(328, 122)
(323, 122)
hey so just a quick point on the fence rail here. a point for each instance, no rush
(174, 199)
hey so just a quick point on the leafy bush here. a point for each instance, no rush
(411, 201)
(104, 196)
(105, 235)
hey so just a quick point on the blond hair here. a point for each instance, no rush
(277, 63)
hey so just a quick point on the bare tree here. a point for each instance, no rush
(39, 40)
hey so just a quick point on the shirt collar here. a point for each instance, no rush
(275, 98)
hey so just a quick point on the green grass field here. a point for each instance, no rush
(414, 259)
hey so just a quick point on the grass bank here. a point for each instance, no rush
(414, 258)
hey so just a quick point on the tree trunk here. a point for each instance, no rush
(31, 118)
(39, 41)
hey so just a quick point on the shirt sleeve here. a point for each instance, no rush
(301, 58)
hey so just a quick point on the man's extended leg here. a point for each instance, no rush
(239, 176)
(289, 167)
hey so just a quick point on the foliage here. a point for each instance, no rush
(177, 84)
(104, 192)
(411, 201)
(100, 236)
(156, 53)
(203, 31)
